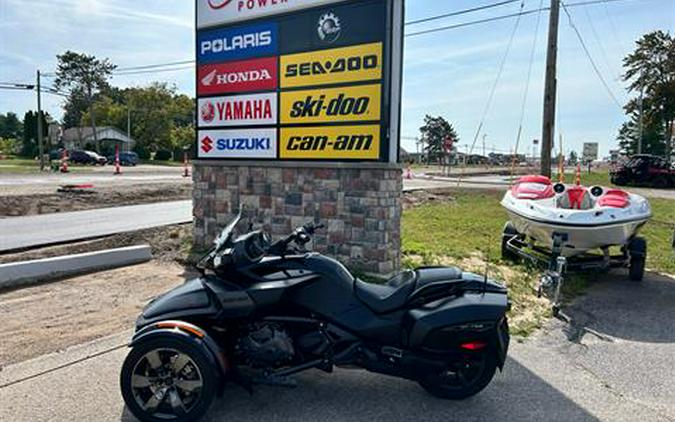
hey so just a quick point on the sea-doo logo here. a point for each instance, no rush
(338, 65)
(207, 144)
(357, 103)
(342, 142)
(236, 43)
(257, 109)
(254, 143)
(241, 76)
(329, 28)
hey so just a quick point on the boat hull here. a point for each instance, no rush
(580, 238)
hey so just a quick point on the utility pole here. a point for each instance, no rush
(640, 126)
(128, 125)
(548, 125)
(39, 124)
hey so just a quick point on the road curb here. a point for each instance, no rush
(15, 274)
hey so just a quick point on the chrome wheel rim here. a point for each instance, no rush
(166, 383)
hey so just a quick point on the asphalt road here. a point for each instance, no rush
(615, 363)
(44, 229)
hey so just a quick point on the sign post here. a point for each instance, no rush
(298, 106)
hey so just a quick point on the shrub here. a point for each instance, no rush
(142, 152)
(163, 155)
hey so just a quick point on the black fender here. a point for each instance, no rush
(184, 331)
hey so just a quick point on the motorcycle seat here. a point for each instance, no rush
(394, 294)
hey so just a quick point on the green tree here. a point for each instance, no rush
(434, 133)
(10, 126)
(573, 158)
(650, 72)
(86, 75)
(29, 145)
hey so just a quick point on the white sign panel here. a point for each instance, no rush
(238, 110)
(590, 151)
(217, 12)
(237, 143)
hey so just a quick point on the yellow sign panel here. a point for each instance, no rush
(347, 104)
(333, 142)
(328, 67)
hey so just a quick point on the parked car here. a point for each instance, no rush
(126, 158)
(86, 157)
(643, 170)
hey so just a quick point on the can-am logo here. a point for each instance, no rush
(237, 43)
(238, 110)
(241, 76)
(341, 142)
(329, 28)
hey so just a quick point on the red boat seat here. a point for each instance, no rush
(575, 198)
(614, 198)
(533, 187)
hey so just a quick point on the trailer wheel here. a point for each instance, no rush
(637, 251)
(508, 232)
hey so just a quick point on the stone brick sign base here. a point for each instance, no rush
(360, 206)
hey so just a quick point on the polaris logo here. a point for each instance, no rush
(236, 77)
(237, 42)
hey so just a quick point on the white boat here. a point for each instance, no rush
(588, 218)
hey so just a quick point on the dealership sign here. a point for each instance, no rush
(218, 12)
(299, 79)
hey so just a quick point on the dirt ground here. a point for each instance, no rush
(100, 197)
(50, 317)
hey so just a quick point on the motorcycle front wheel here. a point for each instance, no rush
(463, 378)
(167, 379)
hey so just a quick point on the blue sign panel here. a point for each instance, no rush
(225, 44)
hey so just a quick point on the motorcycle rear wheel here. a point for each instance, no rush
(463, 378)
(167, 380)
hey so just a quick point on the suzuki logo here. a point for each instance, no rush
(219, 4)
(207, 144)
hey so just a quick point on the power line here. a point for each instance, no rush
(497, 18)
(151, 66)
(460, 12)
(588, 54)
(140, 72)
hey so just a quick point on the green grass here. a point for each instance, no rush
(15, 165)
(466, 231)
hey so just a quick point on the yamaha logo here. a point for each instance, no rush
(207, 144)
(218, 4)
(329, 28)
(208, 111)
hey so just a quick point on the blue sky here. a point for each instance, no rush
(447, 73)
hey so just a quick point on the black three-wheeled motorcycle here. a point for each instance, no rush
(263, 311)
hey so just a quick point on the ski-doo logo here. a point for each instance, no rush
(327, 67)
(254, 143)
(237, 43)
(238, 110)
(357, 103)
(340, 142)
(241, 76)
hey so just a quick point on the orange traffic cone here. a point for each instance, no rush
(409, 173)
(64, 162)
(118, 170)
(186, 169)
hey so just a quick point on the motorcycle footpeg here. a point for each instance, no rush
(276, 381)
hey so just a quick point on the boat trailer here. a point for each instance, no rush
(517, 246)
